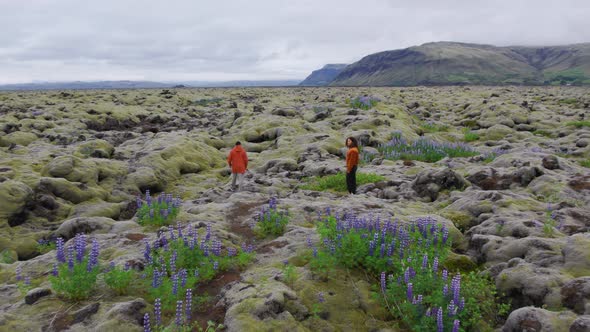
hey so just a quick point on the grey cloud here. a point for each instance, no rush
(198, 40)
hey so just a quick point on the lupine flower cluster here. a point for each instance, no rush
(491, 155)
(45, 245)
(408, 260)
(75, 272)
(271, 221)
(364, 102)
(159, 211)
(423, 149)
(178, 259)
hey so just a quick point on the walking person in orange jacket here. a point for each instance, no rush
(352, 160)
(238, 161)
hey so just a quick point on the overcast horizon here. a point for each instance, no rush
(66, 40)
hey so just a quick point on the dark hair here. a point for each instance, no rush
(355, 143)
(238, 143)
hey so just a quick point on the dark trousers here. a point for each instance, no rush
(351, 181)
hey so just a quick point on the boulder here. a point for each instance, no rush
(87, 225)
(550, 162)
(14, 198)
(575, 295)
(430, 182)
(35, 294)
(530, 319)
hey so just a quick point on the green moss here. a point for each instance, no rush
(460, 219)
(460, 263)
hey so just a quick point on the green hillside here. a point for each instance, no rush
(450, 63)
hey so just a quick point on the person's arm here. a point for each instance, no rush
(348, 161)
(245, 156)
(229, 159)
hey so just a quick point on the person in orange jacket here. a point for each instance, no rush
(352, 161)
(238, 161)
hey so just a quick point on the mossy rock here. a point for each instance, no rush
(460, 219)
(25, 247)
(14, 196)
(97, 208)
(460, 263)
(74, 192)
(17, 137)
(497, 132)
(8, 256)
(72, 169)
(95, 148)
(144, 178)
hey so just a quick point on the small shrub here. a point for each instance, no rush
(469, 136)
(119, 279)
(337, 182)
(423, 149)
(45, 246)
(431, 127)
(364, 102)
(585, 163)
(289, 274)
(74, 274)
(178, 261)
(160, 211)
(207, 102)
(579, 124)
(270, 221)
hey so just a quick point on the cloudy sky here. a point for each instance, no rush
(173, 40)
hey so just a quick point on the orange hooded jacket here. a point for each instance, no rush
(352, 158)
(238, 160)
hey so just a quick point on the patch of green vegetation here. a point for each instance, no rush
(569, 101)
(570, 76)
(542, 132)
(429, 127)
(579, 124)
(469, 136)
(461, 220)
(337, 182)
(207, 102)
(585, 163)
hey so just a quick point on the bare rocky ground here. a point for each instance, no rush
(73, 161)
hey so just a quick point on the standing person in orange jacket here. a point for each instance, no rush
(352, 160)
(238, 161)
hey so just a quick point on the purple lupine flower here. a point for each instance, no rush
(183, 278)
(445, 235)
(164, 213)
(407, 275)
(27, 280)
(321, 298)
(445, 290)
(61, 255)
(126, 267)
(178, 320)
(461, 304)
(94, 252)
(435, 265)
(54, 272)
(188, 306)
(173, 261)
(196, 273)
(445, 275)
(155, 281)
(456, 287)
(315, 252)
(409, 292)
(425, 262)
(208, 234)
(158, 312)
(439, 320)
(231, 252)
(147, 253)
(71, 257)
(418, 300)
(428, 312)
(19, 276)
(151, 213)
(383, 282)
(138, 202)
(456, 323)
(80, 245)
(451, 309)
(175, 284)
(215, 265)
(146, 323)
